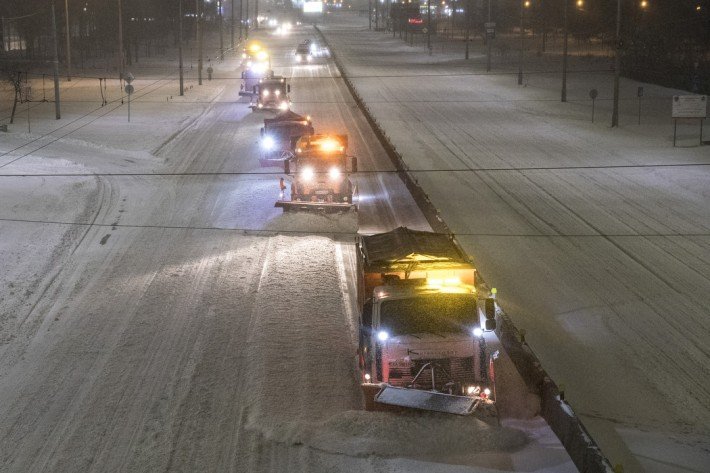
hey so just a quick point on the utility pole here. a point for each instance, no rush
(246, 26)
(428, 25)
(522, 44)
(369, 14)
(221, 36)
(256, 14)
(241, 19)
(66, 16)
(564, 55)
(200, 28)
(488, 41)
(120, 40)
(617, 66)
(467, 19)
(182, 83)
(57, 108)
(231, 23)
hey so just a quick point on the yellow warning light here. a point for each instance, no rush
(254, 47)
(440, 282)
(329, 145)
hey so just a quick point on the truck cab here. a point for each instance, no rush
(303, 53)
(271, 94)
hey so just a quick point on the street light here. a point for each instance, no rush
(523, 5)
(580, 4)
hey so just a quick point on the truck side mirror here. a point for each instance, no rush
(287, 166)
(253, 89)
(354, 164)
(288, 88)
(490, 313)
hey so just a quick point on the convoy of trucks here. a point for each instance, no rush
(422, 321)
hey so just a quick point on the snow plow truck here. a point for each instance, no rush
(319, 171)
(421, 343)
(271, 94)
(279, 136)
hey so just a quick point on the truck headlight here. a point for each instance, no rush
(299, 58)
(307, 173)
(334, 173)
(267, 143)
(382, 335)
(477, 332)
(266, 93)
(283, 106)
(277, 92)
(309, 58)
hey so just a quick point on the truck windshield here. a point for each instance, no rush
(434, 313)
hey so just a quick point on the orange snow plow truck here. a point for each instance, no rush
(422, 324)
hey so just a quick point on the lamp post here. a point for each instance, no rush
(523, 5)
(121, 60)
(428, 25)
(564, 55)
(66, 17)
(617, 67)
(488, 41)
(182, 82)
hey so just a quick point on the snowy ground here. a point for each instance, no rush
(157, 313)
(597, 238)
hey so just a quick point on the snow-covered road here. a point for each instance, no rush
(598, 239)
(159, 314)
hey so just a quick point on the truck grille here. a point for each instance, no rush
(460, 369)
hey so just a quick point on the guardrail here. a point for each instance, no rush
(559, 415)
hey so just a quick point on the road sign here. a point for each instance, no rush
(593, 94)
(639, 92)
(425, 31)
(490, 28)
(129, 89)
(690, 106)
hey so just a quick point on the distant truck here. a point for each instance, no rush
(421, 339)
(319, 171)
(271, 94)
(303, 53)
(279, 136)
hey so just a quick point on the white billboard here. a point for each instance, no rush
(690, 106)
(312, 7)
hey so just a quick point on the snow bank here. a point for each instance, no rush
(414, 435)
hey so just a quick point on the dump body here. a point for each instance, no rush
(279, 136)
(271, 94)
(319, 174)
(420, 321)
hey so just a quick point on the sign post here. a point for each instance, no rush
(689, 107)
(128, 77)
(639, 94)
(593, 95)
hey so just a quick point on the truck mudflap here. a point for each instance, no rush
(327, 207)
(427, 400)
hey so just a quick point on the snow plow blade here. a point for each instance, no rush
(427, 400)
(271, 162)
(315, 206)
